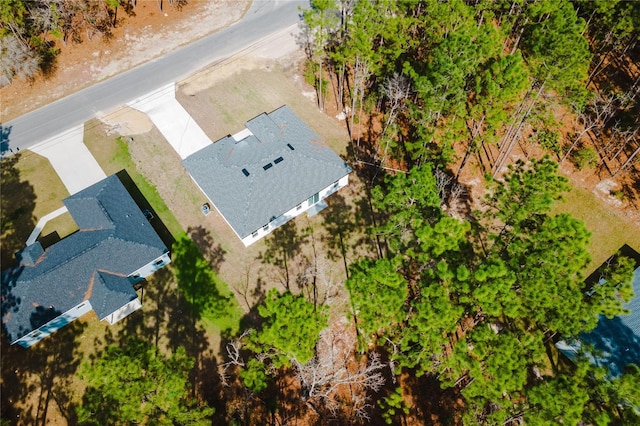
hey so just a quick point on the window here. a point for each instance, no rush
(80, 306)
(267, 166)
(255, 234)
(245, 172)
(314, 199)
(135, 276)
(299, 206)
(290, 147)
(36, 333)
(278, 160)
(265, 228)
(335, 185)
(157, 263)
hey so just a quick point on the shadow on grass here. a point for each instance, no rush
(142, 202)
(213, 252)
(340, 223)
(17, 203)
(176, 301)
(283, 245)
(34, 379)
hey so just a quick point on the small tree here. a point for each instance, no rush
(136, 383)
(290, 330)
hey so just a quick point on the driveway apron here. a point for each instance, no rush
(71, 159)
(173, 121)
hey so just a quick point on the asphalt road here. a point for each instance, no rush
(262, 19)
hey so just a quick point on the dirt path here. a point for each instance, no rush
(137, 39)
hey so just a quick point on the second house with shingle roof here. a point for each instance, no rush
(267, 174)
(94, 268)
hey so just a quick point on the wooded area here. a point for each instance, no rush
(467, 306)
(451, 315)
(31, 31)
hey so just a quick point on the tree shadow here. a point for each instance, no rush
(5, 147)
(213, 252)
(169, 320)
(340, 224)
(144, 205)
(36, 378)
(282, 246)
(430, 404)
(17, 203)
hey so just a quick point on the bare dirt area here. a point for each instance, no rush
(136, 39)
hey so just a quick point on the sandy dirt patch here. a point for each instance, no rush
(147, 35)
(125, 120)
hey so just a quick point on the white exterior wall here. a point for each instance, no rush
(123, 312)
(296, 211)
(148, 269)
(55, 324)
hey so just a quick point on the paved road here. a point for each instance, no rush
(262, 19)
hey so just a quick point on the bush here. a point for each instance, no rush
(585, 157)
(549, 140)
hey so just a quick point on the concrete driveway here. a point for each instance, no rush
(173, 121)
(71, 159)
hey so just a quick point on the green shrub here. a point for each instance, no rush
(585, 157)
(549, 140)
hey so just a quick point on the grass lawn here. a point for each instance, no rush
(609, 230)
(30, 189)
(112, 154)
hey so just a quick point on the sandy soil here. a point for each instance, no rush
(136, 39)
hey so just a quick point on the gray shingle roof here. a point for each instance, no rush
(114, 240)
(266, 174)
(617, 340)
(110, 292)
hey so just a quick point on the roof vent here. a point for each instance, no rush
(278, 160)
(267, 166)
(246, 172)
(290, 147)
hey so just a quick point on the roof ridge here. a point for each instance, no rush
(78, 254)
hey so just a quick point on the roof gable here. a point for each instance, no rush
(109, 292)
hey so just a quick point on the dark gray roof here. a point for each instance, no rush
(114, 240)
(617, 340)
(266, 174)
(110, 292)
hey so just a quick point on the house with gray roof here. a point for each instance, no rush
(94, 268)
(265, 175)
(615, 342)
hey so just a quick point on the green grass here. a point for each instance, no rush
(230, 321)
(29, 189)
(49, 189)
(609, 231)
(113, 155)
(64, 225)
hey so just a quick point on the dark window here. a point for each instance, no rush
(159, 262)
(267, 166)
(266, 227)
(278, 160)
(246, 172)
(255, 234)
(290, 147)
